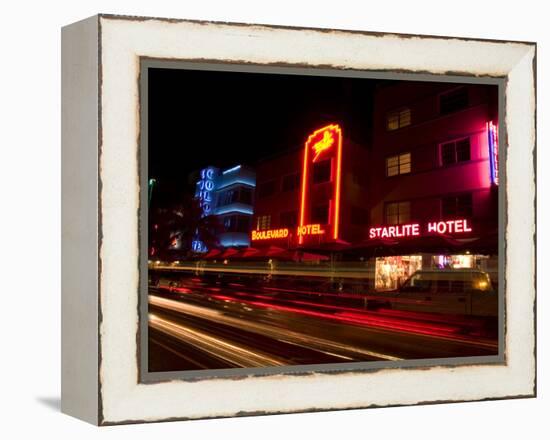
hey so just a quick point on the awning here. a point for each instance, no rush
(229, 252)
(308, 256)
(212, 254)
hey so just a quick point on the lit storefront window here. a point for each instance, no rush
(391, 272)
(454, 261)
(464, 261)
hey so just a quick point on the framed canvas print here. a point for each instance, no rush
(262, 220)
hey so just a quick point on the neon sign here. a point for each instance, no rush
(270, 234)
(310, 230)
(449, 227)
(321, 142)
(492, 134)
(198, 246)
(408, 230)
(273, 234)
(231, 170)
(459, 226)
(205, 186)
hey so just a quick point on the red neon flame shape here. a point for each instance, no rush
(329, 132)
(323, 144)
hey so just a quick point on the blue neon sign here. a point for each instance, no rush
(230, 170)
(204, 190)
(198, 246)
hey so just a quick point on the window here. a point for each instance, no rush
(455, 152)
(453, 101)
(227, 197)
(457, 206)
(245, 196)
(398, 164)
(243, 224)
(236, 223)
(320, 214)
(322, 171)
(291, 182)
(266, 189)
(263, 222)
(289, 219)
(398, 119)
(398, 213)
(227, 222)
(242, 195)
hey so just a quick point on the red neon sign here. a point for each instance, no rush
(321, 141)
(275, 234)
(459, 226)
(323, 144)
(310, 230)
(270, 234)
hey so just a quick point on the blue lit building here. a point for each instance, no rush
(229, 195)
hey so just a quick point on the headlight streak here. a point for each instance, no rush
(230, 352)
(307, 341)
(363, 319)
(322, 272)
(407, 322)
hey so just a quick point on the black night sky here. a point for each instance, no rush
(199, 118)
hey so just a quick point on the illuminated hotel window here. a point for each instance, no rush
(398, 213)
(289, 219)
(319, 214)
(322, 171)
(398, 119)
(391, 272)
(455, 151)
(398, 164)
(291, 182)
(457, 206)
(266, 189)
(263, 222)
(453, 101)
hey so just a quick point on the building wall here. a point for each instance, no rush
(231, 200)
(428, 181)
(353, 196)
(272, 171)
(234, 205)
(366, 189)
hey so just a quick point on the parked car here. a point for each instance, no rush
(449, 291)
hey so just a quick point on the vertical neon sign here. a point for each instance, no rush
(205, 186)
(322, 142)
(204, 194)
(492, 134)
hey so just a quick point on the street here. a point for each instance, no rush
(201, 324)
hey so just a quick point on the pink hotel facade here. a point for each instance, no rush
(422, 194)
(433, 159)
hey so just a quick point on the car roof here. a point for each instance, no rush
(449, 270)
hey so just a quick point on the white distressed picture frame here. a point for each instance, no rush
(101, 202)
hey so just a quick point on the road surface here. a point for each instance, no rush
(204, 325)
